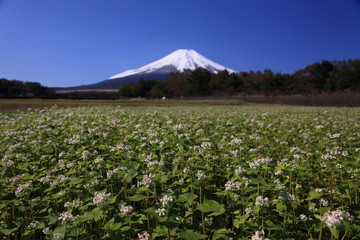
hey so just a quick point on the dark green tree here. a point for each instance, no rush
(199, 82)
(176, 84)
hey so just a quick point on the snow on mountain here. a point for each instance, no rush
(178, 60)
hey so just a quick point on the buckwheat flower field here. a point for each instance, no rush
(180, 173)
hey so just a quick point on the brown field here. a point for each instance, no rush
(8, 105)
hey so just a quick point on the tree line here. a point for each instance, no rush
(16, 88)
(316, 78)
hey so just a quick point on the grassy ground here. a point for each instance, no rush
(9, 105)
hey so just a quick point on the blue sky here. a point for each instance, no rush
(74, 42)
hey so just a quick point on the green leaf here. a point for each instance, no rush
(221, 234)
(97, 213)
(74, 180)
(273, 226)
(241, 220)
(86, 217)
(52, 220)
(313, 195)
(137, 197)
(60, 229)
(131, 173)
(112, 199)
(258, 180)
(159, 231)
(334, 232)
(8, 231)
(191, 235)
(209, 206)
(75, 231)
(124, 229)
(189, 197)
(111, 225)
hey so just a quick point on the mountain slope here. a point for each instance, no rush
(178, 60)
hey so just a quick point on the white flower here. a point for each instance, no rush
(21, 188)
(85, 155)
(126, 209)
(144, 236)
(75, 203)
(100, 197)
(324, 202)
(66, 216)
(16, 178)
(230, 185)
(248, 210)
(332, 219)
(258, 235)
(166, 199)
(209, 220)
(265, 160)
(161, 211)
(261, 201)
(147, 180)
(240, 170)
(200, 175)
(150, 164)
(46, 230)
(33, 224)
(58, 236)
(9, 163)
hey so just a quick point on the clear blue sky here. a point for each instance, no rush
(74, 42)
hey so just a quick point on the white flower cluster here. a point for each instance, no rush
(259, 235)
(207, 145)
(261, 201)
(75, 203)
(161, 211)
(58, 236)
(236, 141)
(33, 225)
(230, 185)
(8, 163)
(186, 170)
(334, 218)
(144, 236)
(265, 160)
(336, 135)
(126, 209)
(287, 197)
(239, 170)
(85, 155)
(66, 216)
(74, 140)
(200, 175)
(16, 178)
(153, 163)
(147, 180)
(21, 188)
(46, 231)
(166, 199)
(100, 197)
(110, 173)
(45, 179)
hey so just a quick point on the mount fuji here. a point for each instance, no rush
(177, 61)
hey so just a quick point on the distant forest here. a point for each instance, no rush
(316, 78)
(321, 77)
(15, 88)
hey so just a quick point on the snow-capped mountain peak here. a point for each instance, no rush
(178, 60)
